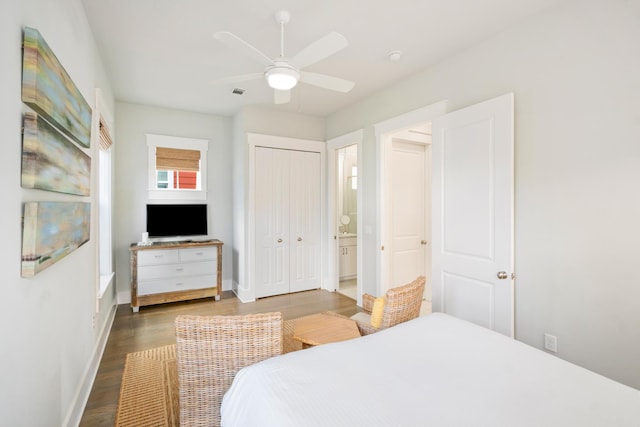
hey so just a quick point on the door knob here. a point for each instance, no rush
(423, 242)
(502, 275)
(299, 239)
(279, 240)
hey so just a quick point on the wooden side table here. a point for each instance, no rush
(323, 329)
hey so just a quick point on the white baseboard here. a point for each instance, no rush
(239, 293)
(124, 297)
(84, 390)
(241, 299)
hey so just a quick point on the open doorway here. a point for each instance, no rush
(344, 213)
(347, 215)
(404, 204)
(408, 213)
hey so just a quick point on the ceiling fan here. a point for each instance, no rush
(282, 73)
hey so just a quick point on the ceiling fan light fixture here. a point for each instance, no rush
(282, 77)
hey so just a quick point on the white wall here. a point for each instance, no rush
(49, 347)
(240, 201)
(268, 121)
(574, 73)
(131, 179)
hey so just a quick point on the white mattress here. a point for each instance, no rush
(433, 371)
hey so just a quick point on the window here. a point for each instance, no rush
(162, 180)
(177, 179)
(104, 207)
(177, 167)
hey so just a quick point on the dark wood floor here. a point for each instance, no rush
(153, 327)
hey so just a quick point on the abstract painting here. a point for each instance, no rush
(50, 161)
(48, 89)
(51, 231)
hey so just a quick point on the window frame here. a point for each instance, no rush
(105, 230)
(154, 141)
(102, 196)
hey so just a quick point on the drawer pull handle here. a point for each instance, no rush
(199, 253)
(158, 256)
(180, 269)
(179, 284)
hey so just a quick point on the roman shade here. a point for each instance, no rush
(105, 136)
(177, 159)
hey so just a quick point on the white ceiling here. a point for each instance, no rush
(162, 53)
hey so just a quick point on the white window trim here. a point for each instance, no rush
(104, 249)
(105, 209)
(202, 145)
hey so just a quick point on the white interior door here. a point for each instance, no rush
(473, 214)
(305, 208)
(272, 223)
(408, 212)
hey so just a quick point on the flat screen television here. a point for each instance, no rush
(177, 220)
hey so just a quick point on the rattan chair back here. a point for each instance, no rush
(403, 303)
(210, 350)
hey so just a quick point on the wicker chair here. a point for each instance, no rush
(403, 303)
(210, 350)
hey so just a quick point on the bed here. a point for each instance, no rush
(432, 371)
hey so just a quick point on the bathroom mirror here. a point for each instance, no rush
(345, 220)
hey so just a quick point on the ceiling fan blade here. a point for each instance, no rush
(281, 96)
(326, 82)
(238, 78)
(320, 49)
(234, 42)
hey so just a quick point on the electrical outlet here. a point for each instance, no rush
(551, 343)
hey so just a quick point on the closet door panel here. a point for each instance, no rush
(272, 230)
(305, 210)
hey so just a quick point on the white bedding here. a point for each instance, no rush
(432, 371)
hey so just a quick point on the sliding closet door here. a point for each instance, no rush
(272, 175)
(305, 207)
(288, 222)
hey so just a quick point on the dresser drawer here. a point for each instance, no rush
(197, 254)
(158, 286)
(176, 270)
(155, 257)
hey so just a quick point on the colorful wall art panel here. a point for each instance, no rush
(48, 89)
(50, 161)
(51, 231)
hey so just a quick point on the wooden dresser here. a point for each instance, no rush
(175, 271)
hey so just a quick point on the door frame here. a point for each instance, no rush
(333, 145)
(286, 143)
(384, 132)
